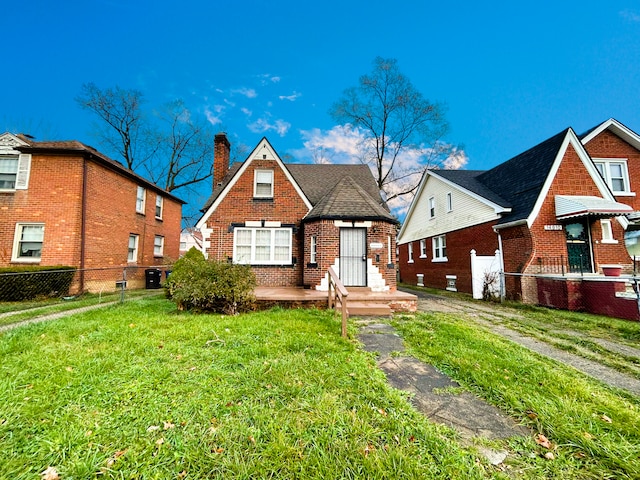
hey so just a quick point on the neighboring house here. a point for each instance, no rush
(292, 222)
(564, 208)
(65, 203)
(190, 238)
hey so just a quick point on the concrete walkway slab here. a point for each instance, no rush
(433, 393)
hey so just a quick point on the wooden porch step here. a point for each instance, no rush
(368, 309)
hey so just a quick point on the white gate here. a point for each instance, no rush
(485, 274)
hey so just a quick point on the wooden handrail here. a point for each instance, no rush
(341, 293)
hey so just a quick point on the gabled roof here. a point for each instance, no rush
(322, 186)
(520, 179)
(614, 127)
(74, 147)
(347, 199)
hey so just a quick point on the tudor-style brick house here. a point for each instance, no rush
(65, 203)
(564, 208)
(292, 222)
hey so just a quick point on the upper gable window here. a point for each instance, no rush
(449, 202)
(432, 207)
(615, 173)
(140, 199)
(263, 184)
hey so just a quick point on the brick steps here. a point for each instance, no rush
(368, 309)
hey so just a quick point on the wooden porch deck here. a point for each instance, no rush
(360, 301)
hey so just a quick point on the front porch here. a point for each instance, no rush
(361, 301)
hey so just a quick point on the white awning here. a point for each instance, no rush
(570, 206)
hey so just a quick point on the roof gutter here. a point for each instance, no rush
(515, 223)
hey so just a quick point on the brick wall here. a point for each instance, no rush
(54, 197)
(239, 206)
(328, 250)
(481, 237)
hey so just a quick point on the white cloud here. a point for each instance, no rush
(292, 98)
(247, 92)
(212, 118)
(630, 15)
(266, 78)
(263, 125)
(246, 111)
(347, 145)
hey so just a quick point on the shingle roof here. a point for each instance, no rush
(319, 183)
(520, 179)
(78, 148)
(515, 183)
(347, 199)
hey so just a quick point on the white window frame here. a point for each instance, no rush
(410, 252)
(272, 246)
(432, 207)
(313, 249)
(390, 259)
(439, 247)
(604, 167)
(22, 171)
(159, 206)
(141, 199)
(132, 252)
(423, 248)
(449, 202)
(607, 231)
(17, 241)
(258, 173)
(158, 246)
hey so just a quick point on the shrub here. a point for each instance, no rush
(203, 285)
(26, 283)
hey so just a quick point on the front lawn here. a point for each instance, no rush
(139, 391)
(593, 430)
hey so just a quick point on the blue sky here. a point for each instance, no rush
(510, 73)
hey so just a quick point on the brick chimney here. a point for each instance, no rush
(221, 151)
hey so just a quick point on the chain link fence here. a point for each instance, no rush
(40, 292)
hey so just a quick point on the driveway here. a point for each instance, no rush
(492, 318)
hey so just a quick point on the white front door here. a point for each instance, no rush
(353, 257)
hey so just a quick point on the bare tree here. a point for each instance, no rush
(120, 109)
(183, 150)
(401, 131)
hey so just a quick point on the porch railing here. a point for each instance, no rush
(337, 291)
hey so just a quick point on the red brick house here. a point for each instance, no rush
(564, 208)
(65, 203)
(291, 222)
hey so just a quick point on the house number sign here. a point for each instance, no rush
(553, 227)
(375, 245)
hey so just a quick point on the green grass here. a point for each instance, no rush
(14, 312)
(595, 430)
(139, 391)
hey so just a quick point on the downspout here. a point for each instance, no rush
(83, 222)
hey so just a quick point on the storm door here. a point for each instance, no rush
(578, 247)
(353, 257)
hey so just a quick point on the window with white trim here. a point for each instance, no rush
(262, 246)
(432, 207)
(389, 257)
(449, 202)
(8, 172)
(615, 173)
(439, 248)
(27, 243)
(263, 184)
(607, 231)
(313, 249)
(423, 248)
(410, 252)
(132, 255)
(141, 195)
(158, 246)
(14, 172)
(159, 206)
